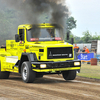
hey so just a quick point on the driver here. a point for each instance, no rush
(51, 32)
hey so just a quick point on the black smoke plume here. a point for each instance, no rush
(33, 9)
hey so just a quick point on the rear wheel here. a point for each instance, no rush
(28, 76)
(4, 75)
(69, 75)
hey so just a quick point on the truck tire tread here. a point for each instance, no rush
(69, 75)
(31, 75)
(4, 75)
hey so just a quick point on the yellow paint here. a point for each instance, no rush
(17, 48)
(56, 69)
(33, 65)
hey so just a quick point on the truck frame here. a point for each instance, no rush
(36, 51)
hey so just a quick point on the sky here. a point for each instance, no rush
(87, 14)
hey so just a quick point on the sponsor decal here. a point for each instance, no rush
(40, 54)
(3, 55)
(12, 45)
(70, 55)
(27, 47)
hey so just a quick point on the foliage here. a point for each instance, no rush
(10, 19)
(96, 37)
(71, 23)
(8, 23)
(76, 39)
(87, 37)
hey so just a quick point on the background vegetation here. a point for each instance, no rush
(10, 19)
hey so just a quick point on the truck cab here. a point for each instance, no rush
(39, 50)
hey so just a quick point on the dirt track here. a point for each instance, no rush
(52, 87)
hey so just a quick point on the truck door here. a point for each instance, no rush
(21, 45)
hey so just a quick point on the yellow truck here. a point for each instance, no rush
(36, 51)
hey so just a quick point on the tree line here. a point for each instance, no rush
(86, 38)
(10, 19)
(87, 35)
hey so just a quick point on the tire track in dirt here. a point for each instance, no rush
(46, 88)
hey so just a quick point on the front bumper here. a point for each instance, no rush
(56, 66)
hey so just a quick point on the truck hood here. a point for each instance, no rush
(51, 51)
(50, 44)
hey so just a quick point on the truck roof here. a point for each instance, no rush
(42, 25)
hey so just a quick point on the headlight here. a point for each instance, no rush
(76, 63)
(43, 66)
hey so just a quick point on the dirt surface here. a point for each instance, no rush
(50, 87)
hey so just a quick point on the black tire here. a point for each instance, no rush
(28, 76)
(4, 75)
(69, 75)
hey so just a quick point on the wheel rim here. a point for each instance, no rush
(24, 72)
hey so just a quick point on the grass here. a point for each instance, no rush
(90, 71)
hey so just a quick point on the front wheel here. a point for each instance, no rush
(28, 76)
(69, 75)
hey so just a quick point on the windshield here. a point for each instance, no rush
(48, 34)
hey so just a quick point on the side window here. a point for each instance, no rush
(21, 34)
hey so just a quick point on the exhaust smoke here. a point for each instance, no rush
(31, 10)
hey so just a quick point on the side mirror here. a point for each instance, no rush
(68, 33)
(16, 37)
(72, 41)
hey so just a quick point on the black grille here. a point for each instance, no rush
(61, 65)
(62, 52)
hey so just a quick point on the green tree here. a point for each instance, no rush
(71, 23)
(87, 37)
(96, 37)
(9, 21)
(78, 39)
